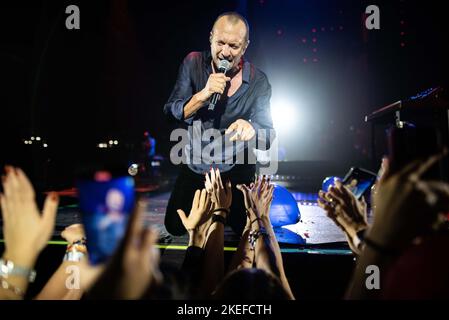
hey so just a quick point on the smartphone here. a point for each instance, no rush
(359, 180)
(106, 203)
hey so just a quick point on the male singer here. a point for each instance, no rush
(241, 114)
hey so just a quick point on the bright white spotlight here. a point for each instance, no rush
(45, 145)
(38, 138)
(115, 142)
(133, 169)
(111, 142)
(285, 115)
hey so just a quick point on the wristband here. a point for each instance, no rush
(218, 218)
(222, 210)
(8, 268)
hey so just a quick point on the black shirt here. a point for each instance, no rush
(250, 102)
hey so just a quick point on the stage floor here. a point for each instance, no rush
(314, 227)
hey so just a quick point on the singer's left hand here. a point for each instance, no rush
(244, 131)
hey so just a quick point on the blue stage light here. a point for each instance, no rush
(329, 181)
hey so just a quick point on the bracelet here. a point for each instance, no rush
(7, 286)
(81, 241)
(75, 252)
(255, 220)
(8, 268)
(77, 247)
(379, 248)
(254, 235)
(218, 218)
(222, 209)
(73, 256)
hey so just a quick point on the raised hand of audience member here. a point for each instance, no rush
(406, 205)
(25, 229)
(221, 195)
(406, 208)
(347, 212)
(65, 283)
(267, 253)
(197, 223)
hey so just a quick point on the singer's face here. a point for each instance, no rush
(228, 41)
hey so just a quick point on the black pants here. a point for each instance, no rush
(188, 182)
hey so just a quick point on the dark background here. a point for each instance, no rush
(110, 79)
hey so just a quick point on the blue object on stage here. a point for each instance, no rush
(329, 181)
(284, 208)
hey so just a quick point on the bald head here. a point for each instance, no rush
(232, 19)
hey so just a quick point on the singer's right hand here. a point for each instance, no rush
(215, 84)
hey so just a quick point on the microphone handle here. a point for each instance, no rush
(213, 101)
(216, 96)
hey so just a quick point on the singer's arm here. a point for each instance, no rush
(183, 102)
(182, 93)
(195, 103)
(215, 84)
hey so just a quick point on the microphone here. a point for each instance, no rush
(223, 67)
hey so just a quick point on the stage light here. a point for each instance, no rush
(155, 164)
(133, 169)
(115, 142)
(26, 142)
(38, 138)
(284, 114)
(45, 145)
(32, 138)
(111, 142)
